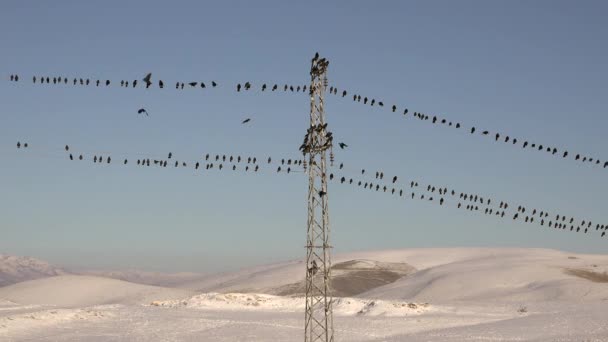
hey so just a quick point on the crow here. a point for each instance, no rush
(148, 80)
(142, 111)
(342, 145)
(246, 121)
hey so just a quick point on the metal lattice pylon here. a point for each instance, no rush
(318, 323)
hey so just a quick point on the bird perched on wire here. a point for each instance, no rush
(143, 111)
(213, 84)
(342, 145)
(246, 121)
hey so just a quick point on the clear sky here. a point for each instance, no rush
(535, 70)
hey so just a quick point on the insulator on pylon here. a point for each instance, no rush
(304, 164)
(331, 158)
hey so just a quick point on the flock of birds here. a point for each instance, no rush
(441, 195)
(497, 136)
(247, 86)
(469, 202)
(372, 181)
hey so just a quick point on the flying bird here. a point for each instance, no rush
(142, 111)
(148, 80)
(246, 121)
(342, 145)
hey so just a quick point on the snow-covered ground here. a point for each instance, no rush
(454, 294)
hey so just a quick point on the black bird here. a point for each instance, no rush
(322, 193)
(394, 108)
(485, 132)
(193, 84)
(394, 179)
(605, 164)
(578, 156)
(365, 100)
(246, 121)
(525, 144)
(67, 148)
(98, 83)
(373, 101)
(458, 125)
(71, 157)
(342, 145)
(344, 93)
(148, 80)
(497, 136)
(109, 159)
(279, 169)
(125, 162)
(341, 165)
(238, 87)
(264, 87)
(203, 85)
(207, 156)
(161, 84)
(134, 83)
(213, 84)
(142, 110)
(472, 130)
(275, 87)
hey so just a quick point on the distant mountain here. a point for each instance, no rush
(15, 269)
(147, 278)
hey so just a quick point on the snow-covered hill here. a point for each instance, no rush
(14, 269)
(436, 294)
(82, 291)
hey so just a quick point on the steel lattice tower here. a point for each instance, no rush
(318, 323)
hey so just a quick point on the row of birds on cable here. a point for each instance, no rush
(19, 144)
(146, 81)
(470, 202)
(560, 221)
(473, 201)
(357, 98)
(498, 137)
(286, 165)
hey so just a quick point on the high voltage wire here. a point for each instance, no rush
(408, 190)
(497, 136)
(271, 87)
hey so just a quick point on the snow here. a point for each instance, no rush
(455, 294)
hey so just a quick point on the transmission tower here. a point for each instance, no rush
(318, 323)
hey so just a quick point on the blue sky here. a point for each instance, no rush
(533, 70)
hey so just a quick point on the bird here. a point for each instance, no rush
(125, 162)
(134, 83)
(263, 86)
(394, 179)
(322, 193)
(107, 82)
(394, 108)
(193, 84)
(203, 85)
(213, 84)
(342, 145)
(525, 144)
(344, 93)
(485, 132)
(148, 80)
(472, 130)
(67, 148)
(71, 157)
(605, 164)
(238, 87)
(142, 110)
(246, 121)
(80, 157)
